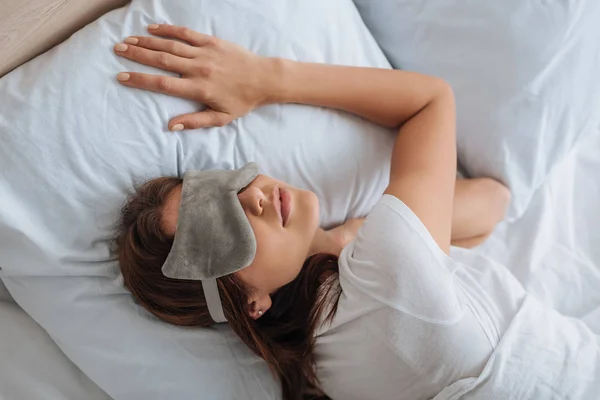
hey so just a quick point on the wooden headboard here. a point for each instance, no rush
(30, 27)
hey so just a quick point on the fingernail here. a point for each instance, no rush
(177, 127)
(131, 40)
(120, 47)
(153, 26)
(123, 76)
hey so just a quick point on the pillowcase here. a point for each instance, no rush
(33, 367)
(525, 76)
(75, 142)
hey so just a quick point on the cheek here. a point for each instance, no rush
(277, 247)
(279, 257)
(309, 202)
(313, 202)
(308, 220)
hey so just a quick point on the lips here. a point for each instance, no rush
(286, 205)
(277, 203)
(282, 200)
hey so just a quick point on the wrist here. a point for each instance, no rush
(274, 72)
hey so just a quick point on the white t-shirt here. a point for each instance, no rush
(411, 320)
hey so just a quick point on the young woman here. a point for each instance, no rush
(378, 312)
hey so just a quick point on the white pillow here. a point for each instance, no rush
(526, 75)
(74, 142)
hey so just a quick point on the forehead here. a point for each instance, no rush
(170, 211)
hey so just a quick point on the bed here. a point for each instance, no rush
(550, 241)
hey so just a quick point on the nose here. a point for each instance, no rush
(252, 200)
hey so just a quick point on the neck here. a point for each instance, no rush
(324, 242)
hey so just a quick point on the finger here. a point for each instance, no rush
(204, 119)
(158, 59)
(157, 83)
(178, 32)
(168, 46)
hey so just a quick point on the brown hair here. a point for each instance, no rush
(284, 336)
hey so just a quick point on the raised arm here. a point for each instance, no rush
(424, 157)
(232, 81)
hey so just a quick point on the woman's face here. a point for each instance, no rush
(284, 220)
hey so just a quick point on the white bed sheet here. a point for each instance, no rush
(553, 249)
(4, 295)
(31, 364)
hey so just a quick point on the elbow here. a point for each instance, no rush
(498, 199)
(445, 93)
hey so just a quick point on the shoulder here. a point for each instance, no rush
(394, 213)
(394, 262)
(392, 233)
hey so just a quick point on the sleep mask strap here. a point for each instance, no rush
(213, 300)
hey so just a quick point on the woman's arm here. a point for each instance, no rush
(423, 168)
(386, 97)
(233, 81)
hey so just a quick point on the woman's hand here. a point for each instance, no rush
(334, 240)
(230, 80)
(345, 233)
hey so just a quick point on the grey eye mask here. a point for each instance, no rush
(214, 237)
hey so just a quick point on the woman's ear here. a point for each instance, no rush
(258, 305)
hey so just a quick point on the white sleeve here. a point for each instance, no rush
(395, 261)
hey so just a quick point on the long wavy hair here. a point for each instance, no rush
(284, 336)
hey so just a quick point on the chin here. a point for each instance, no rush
(311, 202)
